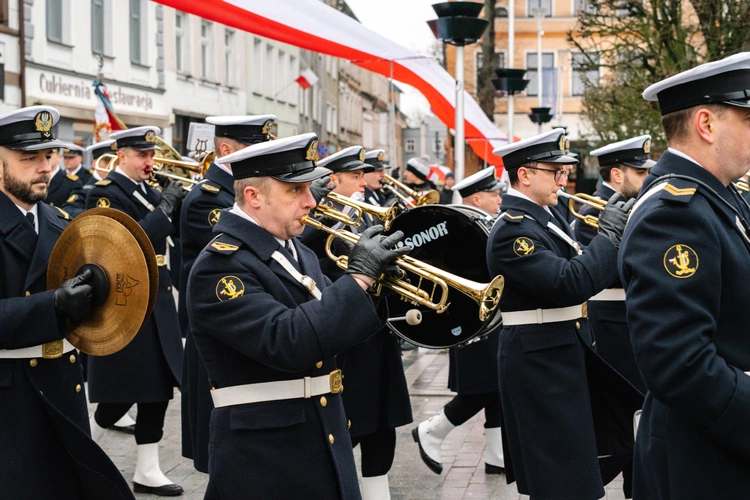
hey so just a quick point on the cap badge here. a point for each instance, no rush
(113, 146)
(361, 155)
(267, 127)
(312, 151)
(381, 156)
(561, 143)
(523, 246)
(647, 146)
(229, 287)
(43, 122)
(681, 261)
(150, 136)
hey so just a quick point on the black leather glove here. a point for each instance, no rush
(73, 298)
(374, 252)
(319, 189)
(172, 194)
(614, 217)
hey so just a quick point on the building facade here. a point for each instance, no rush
(68, 42)
(11, 69)
(426, 140)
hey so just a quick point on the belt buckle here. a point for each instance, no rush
(585, 310)
(336, 382)
(52, 350)
(160, 260)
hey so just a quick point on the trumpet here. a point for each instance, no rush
(585, 199)
(384, 214)
(430, 197)
(486, 295)
(160, 163)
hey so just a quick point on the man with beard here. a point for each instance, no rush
(200, 212)
(45, 444)
(148, 369)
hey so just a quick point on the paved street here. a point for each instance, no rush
(427, 374)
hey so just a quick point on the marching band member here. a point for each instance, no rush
(374, 193)
(200, 212)
(473, 368)
(97, 150)
(73, 161)
(376, 400)
(416, 175)
(683, 263)
(65, 189)
(269, 334)
(148, 369)
(546, 365)
(45, 444)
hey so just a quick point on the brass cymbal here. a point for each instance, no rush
(112, 245)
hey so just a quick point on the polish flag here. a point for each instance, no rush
(307, 79)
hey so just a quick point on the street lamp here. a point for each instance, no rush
(458, 24)
(510, 82)
(540, 114)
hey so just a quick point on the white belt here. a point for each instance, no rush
(539, 316)
(50, 350)
(610, 295)
(275, 391)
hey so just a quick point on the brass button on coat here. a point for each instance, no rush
(348, 424)
(169, 288)
(578, 325)
(319, 364)
(33, 363)
(72, 358)
(78, 388)
(330, 438)
(323, 401)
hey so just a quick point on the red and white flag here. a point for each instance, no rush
(307, 79)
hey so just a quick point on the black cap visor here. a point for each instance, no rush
(564, 159)
(303, 175)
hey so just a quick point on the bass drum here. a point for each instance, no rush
(454, 239)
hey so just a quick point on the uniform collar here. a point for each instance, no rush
(236, 210)
(515, 192)
(221, 176)
(34, 210)
(119, 171)
(524, 204)
(677, 163)
(54, 173)
(683, 155)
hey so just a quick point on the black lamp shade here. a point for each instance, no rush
(458, 30)
(510, 85)
(540, 115)
(453, 9)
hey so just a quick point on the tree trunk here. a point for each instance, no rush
(485, 89)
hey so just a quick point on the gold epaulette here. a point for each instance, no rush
(103, 182)
(208, 187)
(63, 214)
(72, 177)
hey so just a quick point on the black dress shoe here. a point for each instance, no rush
(168, 490)
(434, 466)
(493, 469)
(128, 429)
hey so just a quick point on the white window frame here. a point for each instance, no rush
(410, 145)
(292, 96)
(531, 14)
(573, 73)
(230, 73)
(525, 65)
(65, 22)
(141, 58)
(476, 67)
(182, 66)
(269, 77)
(257, 75)
(207, 54)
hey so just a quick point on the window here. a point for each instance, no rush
(584, 72)
(228, 58)
(135, 31)
(293, 70)
(329, 119)
(97, 26)
(257, 76)
(584, 4)
(179, 40)
(54, 21)
(437, 145)
(411, 145)
(206, 50)
(281, 69)
(4, 19)
(367, 138)
(533, 5)
(268, 75)
(501, 11)
(548, 61)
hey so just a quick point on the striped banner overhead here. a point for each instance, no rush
(313, 25)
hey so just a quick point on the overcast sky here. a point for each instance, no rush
(404, 22)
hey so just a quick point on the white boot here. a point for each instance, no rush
(125, 421)
(147, 471)
(376, 488)
(430, 435)
(97, 433)
(494, 460)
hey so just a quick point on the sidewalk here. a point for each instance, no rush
(463, 474)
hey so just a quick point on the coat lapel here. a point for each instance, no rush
(49, 232)
(18, 233)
